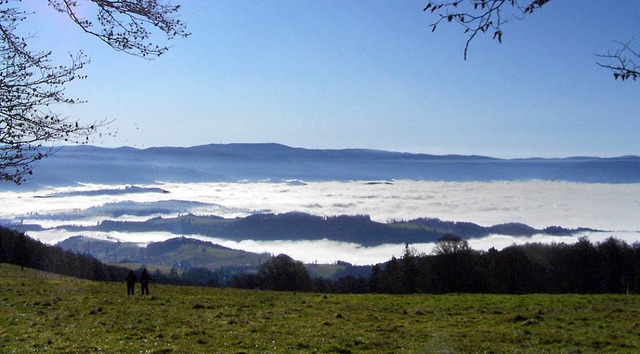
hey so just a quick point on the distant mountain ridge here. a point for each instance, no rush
(257, 162)
(297, 226)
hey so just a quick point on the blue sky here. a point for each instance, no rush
(353, 74)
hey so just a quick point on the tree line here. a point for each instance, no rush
(610, 266)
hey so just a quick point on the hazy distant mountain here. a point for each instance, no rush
(256, 162)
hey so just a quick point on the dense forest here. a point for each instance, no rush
(610, 266)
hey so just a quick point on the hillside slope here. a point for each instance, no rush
(178, 252)
(72, 315)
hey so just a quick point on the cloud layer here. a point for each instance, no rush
(612, 207)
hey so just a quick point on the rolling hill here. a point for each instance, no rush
(177, 252)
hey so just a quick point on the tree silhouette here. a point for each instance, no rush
(283, 273)
(450, 244)
(621, 62)
(488, 17)
(126, 25)
(32, 86)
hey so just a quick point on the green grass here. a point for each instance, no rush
(44, 312)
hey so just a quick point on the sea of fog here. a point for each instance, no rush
(613, 208)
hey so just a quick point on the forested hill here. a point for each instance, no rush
(257, 162)
(359, 229)
(180, 252)
(18, 248)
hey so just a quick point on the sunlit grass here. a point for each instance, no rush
(40, 312)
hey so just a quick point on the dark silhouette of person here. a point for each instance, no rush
(131, 280)
(144, 281)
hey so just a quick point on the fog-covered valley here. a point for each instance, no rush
(610, 208)
(91, 191)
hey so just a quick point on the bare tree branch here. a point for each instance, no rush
(31, 86)
(488, 17)
(480, 16)
(622, 63)
(127, 25)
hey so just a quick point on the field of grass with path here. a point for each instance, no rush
(47, 312)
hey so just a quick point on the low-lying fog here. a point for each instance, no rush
(611, 207)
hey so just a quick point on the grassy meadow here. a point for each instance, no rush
(47, 312)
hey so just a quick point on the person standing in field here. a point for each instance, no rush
(144, 281)
(131, 282)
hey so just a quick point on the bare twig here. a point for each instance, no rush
(621, 62)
